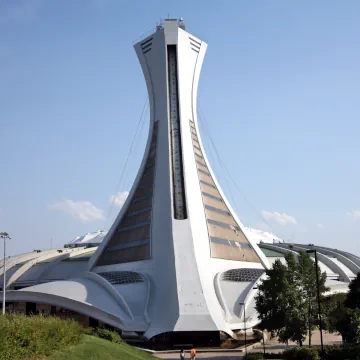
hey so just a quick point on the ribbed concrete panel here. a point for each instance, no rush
(216, 215)
(131, 240)
(324, 259)
(213, 198)
(347, 266)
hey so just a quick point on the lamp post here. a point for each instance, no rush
(243, 304)
(313, 251)
(4, 236)
(263, 338)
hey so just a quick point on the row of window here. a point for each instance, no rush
(222, 228)
(131, 241)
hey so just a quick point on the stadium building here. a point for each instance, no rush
(177, 261)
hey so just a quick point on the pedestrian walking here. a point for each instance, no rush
(182, 354)
(193, 354)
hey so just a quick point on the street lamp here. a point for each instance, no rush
(313, 251)
(4, 236)
(243, 304)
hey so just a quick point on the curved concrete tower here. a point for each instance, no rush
(175, 265)
(177, 232)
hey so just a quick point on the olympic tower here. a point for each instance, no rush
(177, 233)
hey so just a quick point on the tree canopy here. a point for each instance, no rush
(345, 318)
(287, 298)
(353, 297)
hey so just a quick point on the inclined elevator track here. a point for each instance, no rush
(179, 200)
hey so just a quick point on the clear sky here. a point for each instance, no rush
(279, 90)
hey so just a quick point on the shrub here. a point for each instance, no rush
(300, 353)
(254, 356)
(109, 335)
(273, 356)
(23, 337)
(348, 352)
(261, 356)
(89, 331)
(333, 352)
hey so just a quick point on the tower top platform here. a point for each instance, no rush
(179, 22)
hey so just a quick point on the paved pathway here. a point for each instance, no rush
(274, 346)
(271, 346)
(205, 356)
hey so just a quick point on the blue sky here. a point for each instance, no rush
(279, 90)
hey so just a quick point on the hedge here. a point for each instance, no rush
(301, 353)
(23, 337)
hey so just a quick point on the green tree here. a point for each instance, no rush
(295, 327)
(287, 298)
(348, 326)
(334, 306)
(271, 299)
(345, 318)
(353, 297)
(306, 271)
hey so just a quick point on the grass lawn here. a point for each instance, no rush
(93, 348)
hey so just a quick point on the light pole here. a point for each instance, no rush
(243, 304)
(313, 251)
(4, 236)
(263, 342)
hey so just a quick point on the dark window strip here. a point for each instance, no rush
(208, 184)
(219, 223)
(129, 245)
(138, 212)
(201, 164)
(145, 42)
(204, 172)
(196, 46)
(146, 51)
(229, 243)
(194, 50)
(199, 156)
(146, 46)
(195, 41)
(213, 208)
(212, 196)
(196, 147)
(132, 227)
(140, 198)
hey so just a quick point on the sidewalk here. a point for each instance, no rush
(274, 346)
(271, 346)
